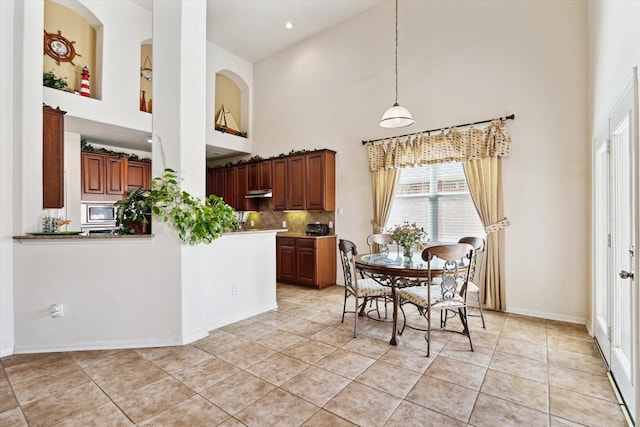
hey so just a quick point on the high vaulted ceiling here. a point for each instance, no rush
(255, 29)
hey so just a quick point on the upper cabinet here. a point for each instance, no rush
(304, 181)
(52, 158)
(103, 177)
(138, 175)
(320, 181)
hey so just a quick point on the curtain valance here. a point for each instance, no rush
(448, 146)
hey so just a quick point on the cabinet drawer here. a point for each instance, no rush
(289, 241)
(306, 243)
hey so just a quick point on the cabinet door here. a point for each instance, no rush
(279, 182)
(265, 175)
(285, 263)
(254, 176)
(92, 174)
(115, 176)
(320, 181)
(295, 182)
(52, 158)
(242, 188)
(306, 266)
(218, 182)
(138, 175)
(229, 194)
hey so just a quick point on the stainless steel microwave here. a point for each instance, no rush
(98, 213)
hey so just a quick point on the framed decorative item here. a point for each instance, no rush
(146, 71)
(59, 47)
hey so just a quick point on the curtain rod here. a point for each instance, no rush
(428, 132)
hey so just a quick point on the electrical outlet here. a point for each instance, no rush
(57, 310)
(284, 224)
(235, 290)
(330, 224)
(252, 223)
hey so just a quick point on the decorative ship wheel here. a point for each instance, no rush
(59, 48)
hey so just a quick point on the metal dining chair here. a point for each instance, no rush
(383, 241)
(445, 296)
(472, 288)
(363, 288)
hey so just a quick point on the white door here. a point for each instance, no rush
(615, 292)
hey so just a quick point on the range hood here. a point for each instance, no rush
(259, 194)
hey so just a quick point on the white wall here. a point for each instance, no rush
(614, 49)
(459, 61)
(6, 177)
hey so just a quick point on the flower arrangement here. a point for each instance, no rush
(409, 235)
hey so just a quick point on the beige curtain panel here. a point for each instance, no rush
(450, 145)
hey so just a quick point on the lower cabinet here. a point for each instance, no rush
(307, 261)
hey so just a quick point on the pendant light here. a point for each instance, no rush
(396, 116)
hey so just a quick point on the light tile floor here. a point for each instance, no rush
(299, 365)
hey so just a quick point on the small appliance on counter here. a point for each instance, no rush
(317, 229)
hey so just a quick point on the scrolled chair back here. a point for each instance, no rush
(478, 247)
(348, 252)
(383, 241)
(451, 255)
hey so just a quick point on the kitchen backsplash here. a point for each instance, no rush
(297, 221)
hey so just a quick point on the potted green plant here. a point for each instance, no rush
(197, 221)
(134, 211)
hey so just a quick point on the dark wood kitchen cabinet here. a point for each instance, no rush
(215, 181)
(242, 189)
(320, 191)
(229, 191)
(305, 181)
(138, 175)
(103, 177)
(260, 175)
(296, 177)
(52, 158)
(279, 184)
(231, 183)
(307, 261)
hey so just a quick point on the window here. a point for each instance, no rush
(437, 198)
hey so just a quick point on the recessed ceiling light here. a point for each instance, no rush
(288, 25)
(149, 140)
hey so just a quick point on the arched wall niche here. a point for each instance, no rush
(232, 91)
(77, 24)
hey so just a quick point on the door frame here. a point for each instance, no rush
(631, 84)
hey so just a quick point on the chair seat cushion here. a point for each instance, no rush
(370, 288)
(418, 296)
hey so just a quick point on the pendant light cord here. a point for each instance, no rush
(396, 101)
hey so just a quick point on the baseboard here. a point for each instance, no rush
(102, 345)
(545, 315)
(6, 351)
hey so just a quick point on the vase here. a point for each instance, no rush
(407, 252)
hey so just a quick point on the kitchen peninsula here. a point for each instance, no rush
(116, 304)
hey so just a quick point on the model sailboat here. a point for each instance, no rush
(226, 123)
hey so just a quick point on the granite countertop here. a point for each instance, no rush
(303, 235)
(82, 237)
(66, 236)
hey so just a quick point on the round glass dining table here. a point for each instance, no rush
(393, 270)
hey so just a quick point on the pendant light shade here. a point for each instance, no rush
(396, 116)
